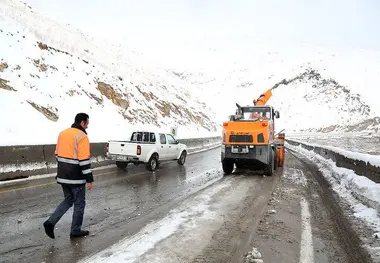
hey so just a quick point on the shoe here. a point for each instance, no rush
(80, 233)
(49, 229)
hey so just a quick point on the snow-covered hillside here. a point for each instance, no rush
(318, 104)
(316, 91)
(50, 72)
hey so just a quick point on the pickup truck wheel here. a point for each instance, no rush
(152, 164)
(122, 165)
(182, 158)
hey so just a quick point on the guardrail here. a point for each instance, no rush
(27, 160)
(361, 166)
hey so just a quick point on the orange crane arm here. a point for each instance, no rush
(262, 100)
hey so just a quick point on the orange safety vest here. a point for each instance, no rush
(73, 157)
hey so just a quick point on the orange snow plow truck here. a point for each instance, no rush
(248, 138)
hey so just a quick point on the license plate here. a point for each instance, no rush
(123, 158)
(239, 150)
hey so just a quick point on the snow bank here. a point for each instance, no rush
(360, 192)
(9, 168)
(374, 160)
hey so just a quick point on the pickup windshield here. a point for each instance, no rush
(147, 137)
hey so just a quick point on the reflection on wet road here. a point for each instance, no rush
(120, 204)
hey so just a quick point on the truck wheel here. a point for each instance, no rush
(182, 158)
(239, 165)
(269, 169)
(152, 164)
(275, 160)
(122, 165)
(228, 166)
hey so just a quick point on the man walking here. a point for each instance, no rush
(73, 172)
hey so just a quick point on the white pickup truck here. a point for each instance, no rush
(146, 147)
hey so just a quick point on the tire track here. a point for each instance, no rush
(342, 228)
(232, 239)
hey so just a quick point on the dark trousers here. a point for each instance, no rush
(74, 194)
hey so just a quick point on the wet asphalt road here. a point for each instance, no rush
(282, 234)
(230, 216)
(120, 203)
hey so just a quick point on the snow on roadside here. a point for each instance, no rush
(360, 192)
(42, 176)
(371, 159)
(186, 218)
(254, 256)
(8, 168)
(203, 149)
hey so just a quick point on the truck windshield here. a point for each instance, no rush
(256, 113)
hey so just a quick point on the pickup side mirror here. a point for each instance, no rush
(277, 114)
(176, 142)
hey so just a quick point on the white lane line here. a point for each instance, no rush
(307, 250)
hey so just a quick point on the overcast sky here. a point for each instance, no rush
(332, 23)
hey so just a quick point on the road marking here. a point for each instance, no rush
(307, 250)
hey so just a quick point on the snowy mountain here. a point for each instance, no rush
(314, 91)
(318, 104)
(367, 126)
(50, 72)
